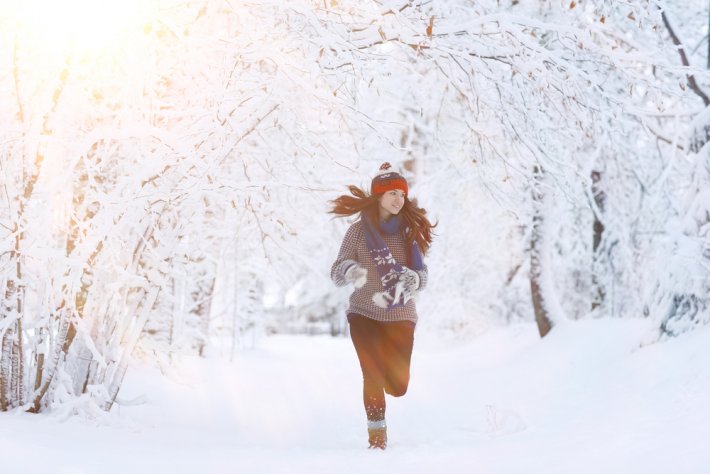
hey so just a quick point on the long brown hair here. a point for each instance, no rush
(416, 223)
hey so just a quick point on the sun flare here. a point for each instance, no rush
(83, 24)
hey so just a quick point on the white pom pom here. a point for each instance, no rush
(385, 168)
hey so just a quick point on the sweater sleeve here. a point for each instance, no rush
(346, 257)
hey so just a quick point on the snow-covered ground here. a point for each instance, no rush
(589, 398)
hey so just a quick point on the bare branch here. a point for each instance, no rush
(684, 59)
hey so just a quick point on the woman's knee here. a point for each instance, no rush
(397, 390)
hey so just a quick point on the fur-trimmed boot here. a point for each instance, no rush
(377, 434)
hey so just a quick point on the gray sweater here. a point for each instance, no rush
(353, 250)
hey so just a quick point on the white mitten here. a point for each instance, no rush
(357, 275)
(382, 299)
(410, 283)
(410, 279)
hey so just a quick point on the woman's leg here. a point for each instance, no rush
(367, 338)
(384, 351)
(398, 342)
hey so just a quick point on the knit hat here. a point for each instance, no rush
(386, 180)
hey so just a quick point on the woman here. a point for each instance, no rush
(381, 255)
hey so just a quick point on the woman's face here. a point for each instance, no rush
(391, 203)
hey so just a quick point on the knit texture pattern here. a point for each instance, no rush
(354, 250)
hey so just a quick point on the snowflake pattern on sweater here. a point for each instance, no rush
(353, 250)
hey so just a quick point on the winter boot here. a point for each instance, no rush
(377, 434)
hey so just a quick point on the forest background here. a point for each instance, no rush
(166, 168)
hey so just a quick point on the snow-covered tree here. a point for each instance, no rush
(167, 187)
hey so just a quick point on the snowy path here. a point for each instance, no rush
(585, 400)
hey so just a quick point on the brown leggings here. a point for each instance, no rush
(385, 352)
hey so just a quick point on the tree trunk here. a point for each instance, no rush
(113, 380)
(542, 316)
(203, 310)
(12, 368)
(598, 290)
(18, 367)
(4, 370)
(12, 380)
(65, 338)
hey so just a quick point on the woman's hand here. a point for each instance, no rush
(404, 290)
(410, 280)
(357, 275)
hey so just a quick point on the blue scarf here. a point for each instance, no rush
(388, 269)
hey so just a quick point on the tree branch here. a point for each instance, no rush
(684, 59)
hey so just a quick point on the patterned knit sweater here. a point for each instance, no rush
(353, 250)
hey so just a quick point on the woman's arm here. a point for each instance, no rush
(347, 256)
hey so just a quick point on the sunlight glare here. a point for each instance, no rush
(84, 24)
